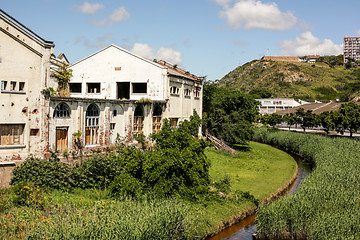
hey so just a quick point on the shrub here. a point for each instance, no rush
(44, 173)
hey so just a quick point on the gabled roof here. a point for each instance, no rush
(123, 50)
(24, 29)
(63, 58)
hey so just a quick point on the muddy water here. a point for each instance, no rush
(244, 229)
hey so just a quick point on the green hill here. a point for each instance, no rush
(295, 80)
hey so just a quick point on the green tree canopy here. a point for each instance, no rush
(228, 114)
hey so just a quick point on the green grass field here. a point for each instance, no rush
(261, 171)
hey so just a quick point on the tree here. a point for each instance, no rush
(348, 118)
(63, 75)
(260, 93)
(326, 120)
(228, 114)
(291, 119)
(307, 119)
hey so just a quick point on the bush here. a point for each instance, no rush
(44, 173)
(125, 185)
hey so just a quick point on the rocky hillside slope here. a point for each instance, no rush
(295, 80)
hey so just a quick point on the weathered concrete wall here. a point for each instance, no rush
(23, 69)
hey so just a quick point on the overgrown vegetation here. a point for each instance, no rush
(167, 192)
(228, 114)
(326, 204)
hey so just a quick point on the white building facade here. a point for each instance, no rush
(273, 105)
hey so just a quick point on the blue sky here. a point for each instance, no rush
(207, 37)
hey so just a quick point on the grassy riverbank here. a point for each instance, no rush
(260, 171)
(92, 213)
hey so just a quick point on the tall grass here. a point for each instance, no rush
(327, 204)
(106, 219)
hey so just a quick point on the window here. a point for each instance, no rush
(112, 126)
(138, 121)
(92, 125)
(197, 92)
(93, 87)
(21, 86)
(34, 132)
(187, 92)
(75, 87)
(174, 90)
(12, 86)
(157, 119)
(11, 134)
(62, 110)
(174, 122)
(139, 87)
(3, 85)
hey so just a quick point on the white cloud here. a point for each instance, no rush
(90, 8)
(143, 50)
(308, 44)
(253, 14)
(120, 15)
(358, 32)
(164, 53)
(239, 43)
(170, 55)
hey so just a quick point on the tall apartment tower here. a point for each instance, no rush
(351, 48)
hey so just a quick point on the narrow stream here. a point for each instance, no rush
(244, 229)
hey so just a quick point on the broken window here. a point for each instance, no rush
(174, 122)
(157, 119)
(3, 85)
(187, 92)
(139, 87)
(11, 134)
(21, 86)
(93, 87)
(12, 86)
(92, 125)
(174, 90)
(123, 90)
(62, 110)
(138, 121)
(197, 92)
(75, 87)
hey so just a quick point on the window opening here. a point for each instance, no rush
(93, 87)
(11, 134)
(62, 110)
(21, 86)
(75, 87)
(139, 87)
(157, 119)
(92, 125)
(138, 121)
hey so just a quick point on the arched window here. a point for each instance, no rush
(62, 110)
(92, 124)
(157, 118)
(138, 121)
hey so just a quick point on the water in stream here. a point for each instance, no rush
(244, 229)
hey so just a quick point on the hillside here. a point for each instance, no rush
(295, 80)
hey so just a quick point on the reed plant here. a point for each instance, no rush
(326, 206)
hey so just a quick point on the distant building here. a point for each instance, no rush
(351, 48)
(306, 59)
(273, 105)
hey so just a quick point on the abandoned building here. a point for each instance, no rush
(112, 93)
